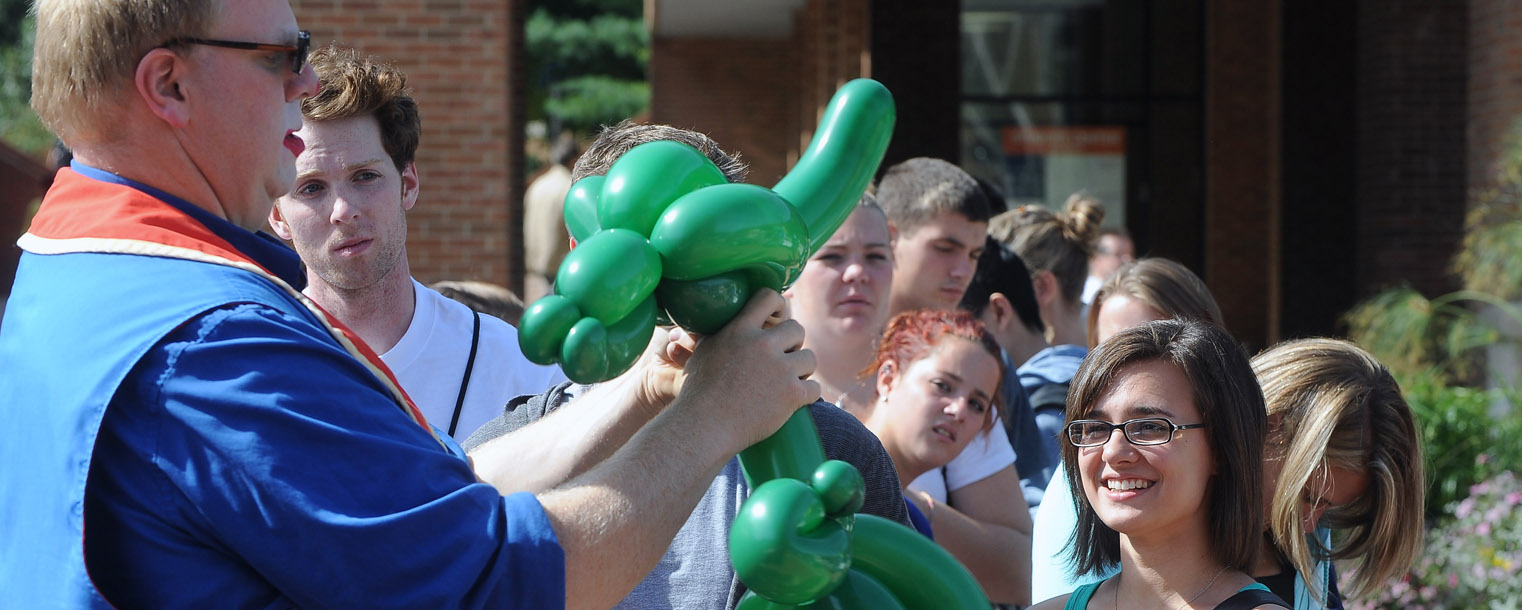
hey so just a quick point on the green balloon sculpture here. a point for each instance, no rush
(663, 234)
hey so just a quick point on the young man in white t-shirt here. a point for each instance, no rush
(347, 218)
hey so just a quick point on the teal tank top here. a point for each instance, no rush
(1080, 597)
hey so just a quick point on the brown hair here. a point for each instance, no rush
(1334, 405)
(86, 51)
(615, 140)
(915, 191)
(1057, 242)
(1165, 285)
(354, 86)
(1231, 407)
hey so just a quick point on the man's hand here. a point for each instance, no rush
(659, 371)
(750, 376)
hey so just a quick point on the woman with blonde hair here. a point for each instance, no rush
(1145, 290)
(1342, 454)
(1056, 247)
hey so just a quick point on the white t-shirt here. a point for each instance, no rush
(429, 362)
(1091, 286)
(986, 454)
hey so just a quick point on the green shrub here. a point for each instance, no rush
(1462, 444)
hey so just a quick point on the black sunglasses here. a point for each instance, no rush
(298, 51)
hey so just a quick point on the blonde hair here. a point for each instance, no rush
(86, 50)
(1331, 404)
(1051, 241)
(1162, 284)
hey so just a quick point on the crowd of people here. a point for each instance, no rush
(239, 420)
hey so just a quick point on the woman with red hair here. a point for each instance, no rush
(937, 381)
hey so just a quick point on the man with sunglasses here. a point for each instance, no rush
(227, 443)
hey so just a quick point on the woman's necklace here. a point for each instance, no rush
(1208, 585)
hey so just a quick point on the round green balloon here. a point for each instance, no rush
(584, 356)
(784, 548)
(609, 274)
(857, 592)
(840, 487)
(646, 180)
(580, 209)
(543, 328)
(628, 338)
(704, 306)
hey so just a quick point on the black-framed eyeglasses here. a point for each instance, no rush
(298, 51)
(1142, 431)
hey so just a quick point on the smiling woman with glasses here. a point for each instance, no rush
(1175, 506)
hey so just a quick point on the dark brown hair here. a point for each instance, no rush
(1231, 407)
(915, 191)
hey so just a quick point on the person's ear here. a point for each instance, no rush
(1000, 311)
(409, 186)
(159, 83)
(278, 224)
(1045, 283)
(887, 376)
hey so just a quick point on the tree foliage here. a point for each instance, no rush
(19, 126)
(586, 61)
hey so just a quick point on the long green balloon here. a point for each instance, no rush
(918, 571)
(830, 177)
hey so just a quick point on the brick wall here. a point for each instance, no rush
(734, 90)
(1411, 168)
(762, 96)
(457, 55)
(916, 52)
(1495, 83)
(1242, 119)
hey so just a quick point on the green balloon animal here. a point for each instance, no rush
(664, 235)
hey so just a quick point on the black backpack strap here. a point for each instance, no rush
(1051, 395)
(1249, 599)
(470, 363)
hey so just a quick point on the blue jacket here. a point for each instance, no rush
(220, 441)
